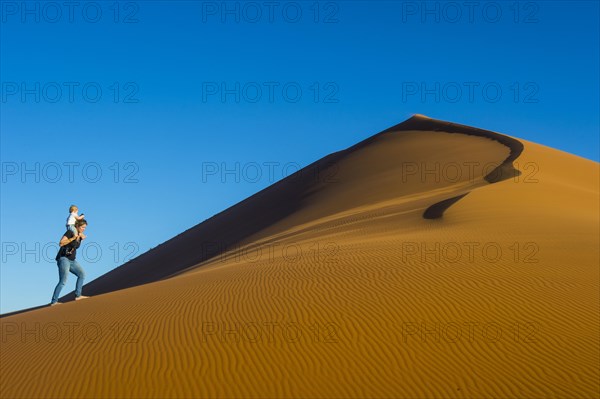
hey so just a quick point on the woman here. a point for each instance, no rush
(65, 259)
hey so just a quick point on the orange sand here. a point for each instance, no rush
(331, 283)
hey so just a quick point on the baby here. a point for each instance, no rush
(72, 218)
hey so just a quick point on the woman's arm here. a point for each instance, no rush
(66, 240)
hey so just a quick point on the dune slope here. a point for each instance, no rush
(386, 166)
(430, 260)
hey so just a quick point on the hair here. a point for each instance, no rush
(72, 208)
(81, 222)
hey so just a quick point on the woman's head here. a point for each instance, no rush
(73, 208)
(80, 225)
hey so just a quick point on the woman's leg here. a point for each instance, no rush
(77, 270)
(63, 270)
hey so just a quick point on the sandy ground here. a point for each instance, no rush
(331, 283)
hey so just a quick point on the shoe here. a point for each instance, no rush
(81, 297)
(55, 303)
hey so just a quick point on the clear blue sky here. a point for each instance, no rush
(133, 110)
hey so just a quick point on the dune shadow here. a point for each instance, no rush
(503, 171)
(437, 210)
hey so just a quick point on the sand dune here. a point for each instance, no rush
(430, 260)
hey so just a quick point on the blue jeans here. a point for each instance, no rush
(64, 267)
(72, 228)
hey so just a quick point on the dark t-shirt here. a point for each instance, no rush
(70, 250)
